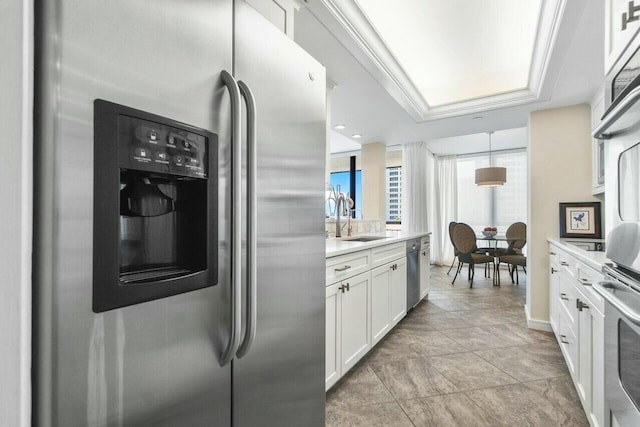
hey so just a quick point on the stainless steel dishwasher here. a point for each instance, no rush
(413, 273)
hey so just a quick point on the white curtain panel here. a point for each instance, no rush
(415, 187)
(445, 199)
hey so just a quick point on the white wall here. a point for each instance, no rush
(16, 105)
(559, 155)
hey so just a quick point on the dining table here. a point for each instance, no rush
(491, 240)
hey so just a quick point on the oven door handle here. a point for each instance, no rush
(612, 124)
(625, 310)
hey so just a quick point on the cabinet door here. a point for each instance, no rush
(425, 284)
(380, 302)
(554, 295)
(355, 339)
(585, 367)
(597, 361)
(568, 343)
(398, 285)
(332, 335)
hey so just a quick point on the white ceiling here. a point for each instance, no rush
(361, 103)
(459, 50)
(340, 143)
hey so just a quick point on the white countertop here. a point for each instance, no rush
(335, 247)
(595, 260)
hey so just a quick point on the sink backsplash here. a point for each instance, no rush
(358, 226)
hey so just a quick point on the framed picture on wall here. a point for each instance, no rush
(580, 219)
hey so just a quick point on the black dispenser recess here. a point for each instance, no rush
(155, 207)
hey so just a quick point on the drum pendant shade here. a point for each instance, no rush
(491, 176)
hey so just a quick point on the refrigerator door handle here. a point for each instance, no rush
(252, 273)
(236, 225)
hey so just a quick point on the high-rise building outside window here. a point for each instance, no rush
(394, 194)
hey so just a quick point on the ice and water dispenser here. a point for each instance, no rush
(155, 207)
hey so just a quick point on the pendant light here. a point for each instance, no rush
(491, 176)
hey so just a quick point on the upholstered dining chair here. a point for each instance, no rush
(512, 255)
(464, 239)
(514, 261)
(452, 225)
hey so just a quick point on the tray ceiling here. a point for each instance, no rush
(444, 58)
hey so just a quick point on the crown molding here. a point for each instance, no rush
(351, 27)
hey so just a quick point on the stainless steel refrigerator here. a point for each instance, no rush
(247, 351)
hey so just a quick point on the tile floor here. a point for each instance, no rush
(464, 357)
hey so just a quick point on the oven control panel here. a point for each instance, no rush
(156, 147)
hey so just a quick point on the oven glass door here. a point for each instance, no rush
(629, 360)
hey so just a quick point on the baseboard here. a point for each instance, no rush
(540, 325)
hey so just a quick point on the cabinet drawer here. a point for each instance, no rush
(586, 277)
(424, 241)
(568, 262)
(345, 266)
(567, 296)
(384, 254)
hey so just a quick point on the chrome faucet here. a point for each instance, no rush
(341, 209)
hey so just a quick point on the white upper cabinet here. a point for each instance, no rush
(621, 24)
(279, 12)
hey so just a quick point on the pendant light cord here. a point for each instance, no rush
(490, 156)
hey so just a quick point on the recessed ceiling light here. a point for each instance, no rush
(339, 127)
(356, 135)
(477, 118)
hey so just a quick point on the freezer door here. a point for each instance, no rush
(154, 363)
(280, 380)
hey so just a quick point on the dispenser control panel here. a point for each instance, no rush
(155, 207)
(156, 147)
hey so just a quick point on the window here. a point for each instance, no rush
(342, 179)
(394, 194)
(493, 206)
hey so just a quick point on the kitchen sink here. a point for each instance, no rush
(364, 238)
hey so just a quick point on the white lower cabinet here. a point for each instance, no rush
(388, 297)
(347, 323)
(590, 378)
(354, 310)
(332, 366)
(575, 312)
(361, 309)
(554, 291)
(380, 307)
(398, 295)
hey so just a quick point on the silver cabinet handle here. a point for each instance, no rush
(580, 305)
(348, 288)
(563, 296)
(236, 226)
(342, 288)
(563, 339)
(564, 263)
(345, 268)
(586, 282)
(252, 221)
